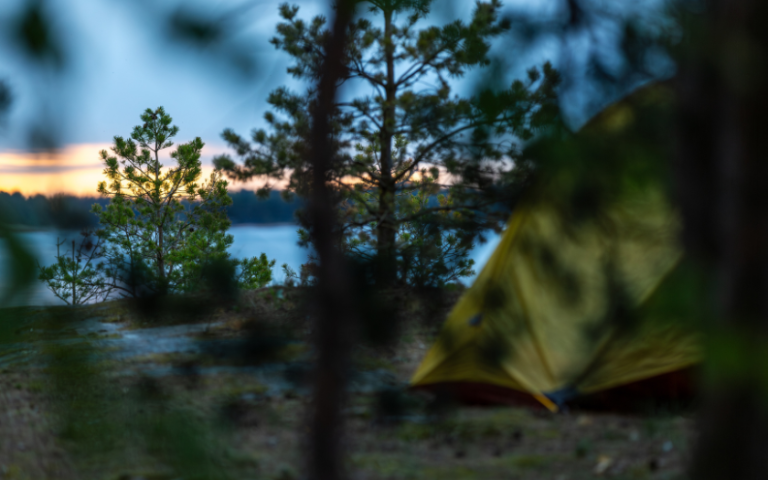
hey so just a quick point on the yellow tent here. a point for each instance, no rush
(557, 310)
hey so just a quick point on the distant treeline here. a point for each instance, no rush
(248, 208)
(67, 211)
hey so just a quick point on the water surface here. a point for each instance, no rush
(279, 242)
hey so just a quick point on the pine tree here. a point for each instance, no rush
(409, 127)
(161, 227)
(75, 277)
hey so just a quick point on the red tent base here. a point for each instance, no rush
(671, 390)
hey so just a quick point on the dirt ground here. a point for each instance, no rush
(80, 414)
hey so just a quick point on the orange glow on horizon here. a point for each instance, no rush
(74, 170)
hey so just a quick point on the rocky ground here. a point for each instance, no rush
(112, 392)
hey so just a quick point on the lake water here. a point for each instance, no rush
(278, 242)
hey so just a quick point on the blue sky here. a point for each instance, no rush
(120, 62)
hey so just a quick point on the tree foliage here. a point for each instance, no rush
(427, 254)
(75, 277)
(162, 227)
(406, 126)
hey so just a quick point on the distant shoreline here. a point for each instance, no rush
(30, 228)
(40, 213)
(272, 224)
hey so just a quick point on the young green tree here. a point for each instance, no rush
(75, 277)
(162, 227)
(471, 143)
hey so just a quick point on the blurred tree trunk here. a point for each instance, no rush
(722, 180)
(335, 303)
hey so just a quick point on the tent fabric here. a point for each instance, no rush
(557, 306)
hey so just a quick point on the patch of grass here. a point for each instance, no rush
(291, 352)
(637, 472)
(285, 473)
(583, 448)
(453, 472)
(36, 386)
(240, 389)
(416, 432)
(529, 461)
(243, 459)
(547, 433)
(370, 362)
(389, 466)
(611, 434)
(408, 338)
(11, 471)
(491, 431)
(657, 427)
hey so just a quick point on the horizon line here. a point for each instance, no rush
(97, 195)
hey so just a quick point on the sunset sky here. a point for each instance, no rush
(75, 169)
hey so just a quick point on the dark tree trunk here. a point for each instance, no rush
(160, 259)
(74, 275)
(334, 300)
(386, 230)
(722, 178)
